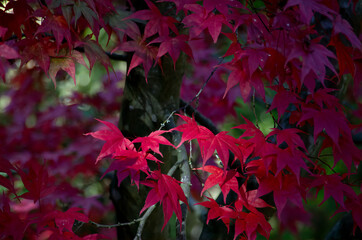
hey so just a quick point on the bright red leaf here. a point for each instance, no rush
(152, 141)
(226, 180)
(168, 192)
(222, 143)
(115, 140)
(130, 163)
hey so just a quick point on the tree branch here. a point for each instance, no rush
(112, 56)
(143, 221)
(200, 118)
(145, 216)
(185, 182)
(115, 225)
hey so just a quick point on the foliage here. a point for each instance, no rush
(298, 61)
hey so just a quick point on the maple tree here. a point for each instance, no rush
(190, 65)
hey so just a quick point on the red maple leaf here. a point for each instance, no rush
(8, 182)
(167, 191)
(190, 130)
(209, 142)
(222, 143)
(57, 25)
(8, 52)
(355, 206)
(240, 75)
(333, 187)
(251, 223)
(222, 6)
(256, 167)
(37, 181)
(143, 53)
(250, 200)
(157, 23)
(284, 187)
(12, 225)
(179, 4)
(226, 180)
(153, 141)
(237, 76)
(39, 50)
(200, 20)
(17, 17)
(290, 136)
(130, 163)
(65, 220)
(315, 58)
(95, 53)
(86, 9)
(66, 63)
(257, 137)
(307, 7)
(292, 216)
(344, 57)
(345, 150)
(173, 46)
(282, 100)
(115, 140)
(216, 211)
(322, 98)
(341, 25)
(332, 121)
(283, 158)
(255, 58)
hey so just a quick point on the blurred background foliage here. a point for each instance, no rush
(98, 95)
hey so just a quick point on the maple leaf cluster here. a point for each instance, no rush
(293, 57)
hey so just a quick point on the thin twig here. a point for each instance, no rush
(205, 83)
(193, 99)
(322, 161)
(275, 121)
(113, 56)
(200, 118)
(163, 124)
(143, 221)
(115, 225)
(254, 10)
(254, 111)
(326, 155)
